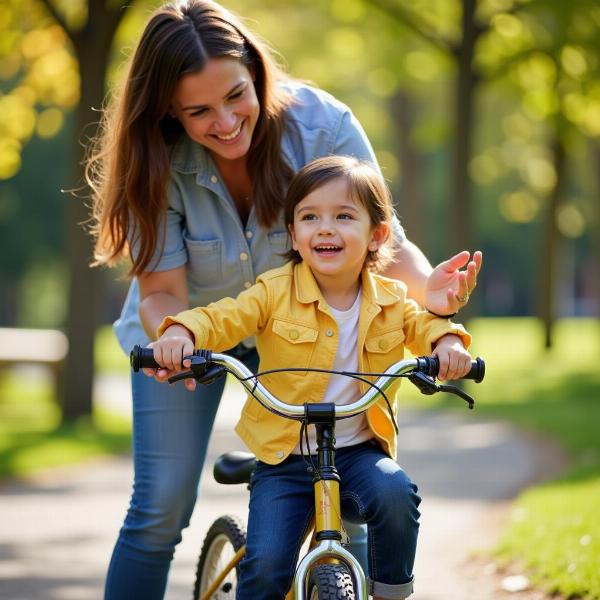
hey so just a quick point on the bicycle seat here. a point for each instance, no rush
(234, 467)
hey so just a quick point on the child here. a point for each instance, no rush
(326, 308)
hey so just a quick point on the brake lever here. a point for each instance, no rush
(200, 363)
(207, 376)
(425, 384)
(180, 376)
(428, 386)
(452, 389)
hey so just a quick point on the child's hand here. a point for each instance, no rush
(169, 350)
(455, 361)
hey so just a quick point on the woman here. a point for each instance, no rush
(189, 179)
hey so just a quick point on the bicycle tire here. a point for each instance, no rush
(224, 538)
(330, 582)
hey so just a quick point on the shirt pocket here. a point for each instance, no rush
(278, 245)
(384, 349)
(204, 261)
(295, 344)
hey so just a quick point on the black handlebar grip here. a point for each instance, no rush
(142, 358)
(477, 372)
(431, 367)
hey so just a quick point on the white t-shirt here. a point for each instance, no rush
(341, 389)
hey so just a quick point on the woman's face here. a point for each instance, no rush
(218, 107)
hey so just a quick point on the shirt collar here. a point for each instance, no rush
(188, 156)
(374, 291)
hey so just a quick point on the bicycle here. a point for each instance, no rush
(327, 571)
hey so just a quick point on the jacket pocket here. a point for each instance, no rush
(384, 349)
(384, 342)
(295, 344)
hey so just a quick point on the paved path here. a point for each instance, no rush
(57, 530)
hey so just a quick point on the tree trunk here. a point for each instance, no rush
(92, 45)
(551, 245)
(411, 208)
(461, 219)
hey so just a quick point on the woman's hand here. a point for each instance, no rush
(175, 343)
(448, 288)
(454, 359)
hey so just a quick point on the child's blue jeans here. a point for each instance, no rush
(374, 490)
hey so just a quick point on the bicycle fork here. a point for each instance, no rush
(328, 520)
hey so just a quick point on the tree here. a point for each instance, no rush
(91, 40)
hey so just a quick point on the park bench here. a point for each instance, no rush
(34, 346)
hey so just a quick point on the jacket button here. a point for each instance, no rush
(294, 334)
(383, 344)
(329, 332)
(214, 179)
(279, 453)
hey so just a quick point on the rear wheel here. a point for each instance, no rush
(330, 582)
(224, 538)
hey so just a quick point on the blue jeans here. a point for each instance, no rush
(374, 490)
(171, 429)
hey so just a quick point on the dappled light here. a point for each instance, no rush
(539, 173)
(49, 123)
(421, 65)
(570, 220)
(519, 207)
(10, 158)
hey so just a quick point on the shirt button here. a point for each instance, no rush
(279, 454)
(329, 333)
(243, 256)
(294, 334)
(214, 178)
(383, 344)
(247, 284)
(249, 235)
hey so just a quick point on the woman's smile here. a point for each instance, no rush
(231, 138)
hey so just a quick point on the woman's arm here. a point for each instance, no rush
(162, 293)
(412, 267)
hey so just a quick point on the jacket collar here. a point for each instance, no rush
(373, 289)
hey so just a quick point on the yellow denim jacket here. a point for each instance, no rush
(294, 327)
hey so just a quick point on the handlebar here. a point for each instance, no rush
(206, 366)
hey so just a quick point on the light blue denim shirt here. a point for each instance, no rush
(203, 228)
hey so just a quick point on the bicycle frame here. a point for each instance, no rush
(328, 523)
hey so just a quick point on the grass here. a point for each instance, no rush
(554, 531)
(31, 435)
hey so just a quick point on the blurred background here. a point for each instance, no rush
(485, 117)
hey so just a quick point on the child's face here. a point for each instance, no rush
(332, 233)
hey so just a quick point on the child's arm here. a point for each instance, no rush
(455, 361)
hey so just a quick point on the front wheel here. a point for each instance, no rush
(330, 582)
(224, 538)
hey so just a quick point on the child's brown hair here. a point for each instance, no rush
(365, 186)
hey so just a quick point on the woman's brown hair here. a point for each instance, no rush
(129, 167)
(366, 187)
